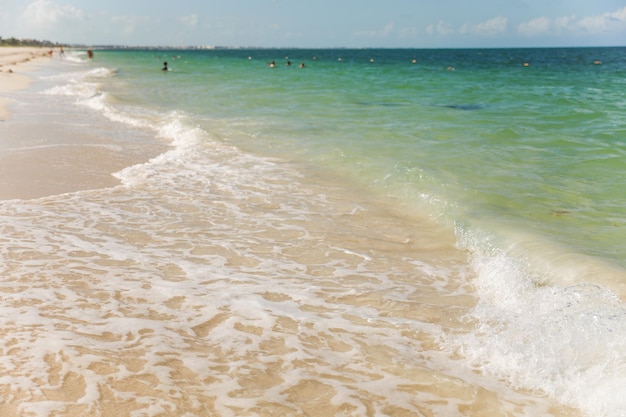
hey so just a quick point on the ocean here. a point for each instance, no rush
(334, 232)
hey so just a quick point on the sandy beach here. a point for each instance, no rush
(15, 63)
(41, 153)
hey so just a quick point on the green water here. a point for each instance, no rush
(530, 140)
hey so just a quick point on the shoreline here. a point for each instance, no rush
(49, 149)
(221, 279)
(15, 65)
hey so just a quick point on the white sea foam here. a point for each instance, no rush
(158, 283)
(224, 267)
(565, 340)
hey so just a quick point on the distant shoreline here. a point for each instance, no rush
(297, 48)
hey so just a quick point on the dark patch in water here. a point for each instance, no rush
(464, 106)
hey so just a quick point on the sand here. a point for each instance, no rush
(41, 154)
(15, 63)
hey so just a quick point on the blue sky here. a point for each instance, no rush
(319, 23)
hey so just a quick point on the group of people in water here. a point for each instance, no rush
(288, 63)
(62, 53)
(269, 64)
(272, 64)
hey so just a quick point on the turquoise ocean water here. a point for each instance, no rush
(537, 148)
(378, 232)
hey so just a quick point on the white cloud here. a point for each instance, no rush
(535, 27)
(564, 22)
(612, 22)
(607, 22)
(190, 21)
(387, 30)
(490, 27)
(380, 33)
(48, 13)
(441, 28)
(129, 24)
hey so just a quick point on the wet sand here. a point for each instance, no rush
(15, 63)
(41, 153)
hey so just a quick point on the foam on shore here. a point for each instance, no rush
(44, 148)
(14, 67)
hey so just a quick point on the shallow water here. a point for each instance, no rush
(349, 238)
